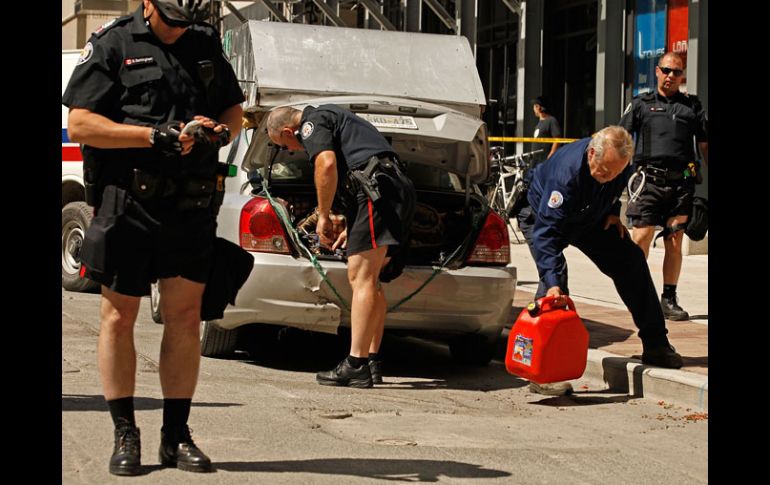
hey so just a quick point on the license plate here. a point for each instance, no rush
(390, 121)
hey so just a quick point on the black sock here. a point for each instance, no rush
(374, 357)
(122, 411)
(175, 413)
(669, 291)
(357, 361)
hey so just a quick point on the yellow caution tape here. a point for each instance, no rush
(518, 139)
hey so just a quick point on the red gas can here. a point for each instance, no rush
(547, 343)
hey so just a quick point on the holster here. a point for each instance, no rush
(102, 238)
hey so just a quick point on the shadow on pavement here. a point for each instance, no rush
(576, 399)
(80, 402)
(379, 469)
(405, 357)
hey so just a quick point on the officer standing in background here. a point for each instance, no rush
(347, 153)
(575, 199)
(139, 79)
(665, 123)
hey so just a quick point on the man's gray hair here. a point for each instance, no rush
(615, 136)
(280, 117)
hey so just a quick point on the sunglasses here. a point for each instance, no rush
(669, 70)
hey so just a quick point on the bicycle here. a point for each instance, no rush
(508, 185)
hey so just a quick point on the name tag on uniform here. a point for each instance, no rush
(658, 108)
(138, 61)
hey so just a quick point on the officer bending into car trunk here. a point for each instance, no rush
(575, 199)
(354, 163)
(665, 122)
(138, 79)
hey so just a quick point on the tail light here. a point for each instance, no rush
(260, 229)
(492, 246)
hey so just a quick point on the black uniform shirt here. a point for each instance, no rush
(353, 139)
(665, 127)
(128, 75)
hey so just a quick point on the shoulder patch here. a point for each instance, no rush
(555, 200)
(85, 54)
(307, 129)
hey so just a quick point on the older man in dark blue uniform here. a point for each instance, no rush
(575, 201)
(665, 123)
(138, 80)
(355, 164)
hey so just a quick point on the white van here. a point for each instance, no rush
(75, 213)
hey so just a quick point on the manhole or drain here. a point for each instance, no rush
(395, 442)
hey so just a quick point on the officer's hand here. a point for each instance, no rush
(613, 220)
(165, 138)
(325, 230)
(210, 133)
(342, 240)
(560, 300)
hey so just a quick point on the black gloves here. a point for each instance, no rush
(210, 138)
(165, 138)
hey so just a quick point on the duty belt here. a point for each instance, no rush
(186, 193)
(663, 176)
(365, 178)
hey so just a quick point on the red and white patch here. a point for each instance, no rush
(555, 200)
(85, 54)
(307, 129)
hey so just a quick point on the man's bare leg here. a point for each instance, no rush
(115, 348)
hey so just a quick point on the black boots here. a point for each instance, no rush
(662, 356)
(178, 450)
(126, 456)
(346, 375)
(672, 310)
(375, 368)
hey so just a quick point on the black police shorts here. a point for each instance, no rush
(131, 245)
(385, 222)
(656, 204)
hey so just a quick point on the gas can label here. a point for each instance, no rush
(522, 350)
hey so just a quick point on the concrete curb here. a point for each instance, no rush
(624, 374)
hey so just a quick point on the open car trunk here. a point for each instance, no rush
(444, 228)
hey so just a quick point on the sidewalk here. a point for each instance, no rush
(614, 348)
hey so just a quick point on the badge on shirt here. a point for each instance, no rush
(307, 130)
(556, 200)
(657, 108)
(138, 61)
(85, 54)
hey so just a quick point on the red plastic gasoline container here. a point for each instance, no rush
(547, 343)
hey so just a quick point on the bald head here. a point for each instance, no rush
(284, 116)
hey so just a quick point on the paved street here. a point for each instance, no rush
(263, 419)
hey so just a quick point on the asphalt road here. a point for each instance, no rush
(262, 419)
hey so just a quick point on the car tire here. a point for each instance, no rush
(75, 220)
(217, 341)
(155, 303)
(473, 349)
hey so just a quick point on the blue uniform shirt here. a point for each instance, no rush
(567, 202)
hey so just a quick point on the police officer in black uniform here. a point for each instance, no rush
(665, 123)
(575, 199)
(357, 164)
(139, 79)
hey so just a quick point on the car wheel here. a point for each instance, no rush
(75, 219)
(155, 303)
(217, 341)
(474, 349)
